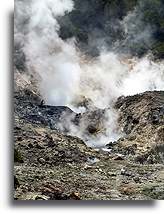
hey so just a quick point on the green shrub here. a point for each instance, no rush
(17, 156)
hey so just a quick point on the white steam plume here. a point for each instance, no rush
(53, 60)
(64, 75)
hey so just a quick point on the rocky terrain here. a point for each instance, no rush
(52, 165)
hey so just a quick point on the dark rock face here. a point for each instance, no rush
(28, 108)
(93, 120)
(142, 119)
(141, 110)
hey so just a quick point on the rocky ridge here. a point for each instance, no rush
(51, 165)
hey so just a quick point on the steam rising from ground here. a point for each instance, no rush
(64, 75)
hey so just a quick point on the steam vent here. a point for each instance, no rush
(88, 100)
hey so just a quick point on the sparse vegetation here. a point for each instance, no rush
(17, 156)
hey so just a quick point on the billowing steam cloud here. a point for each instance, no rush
(64, 75)
(54, 61)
